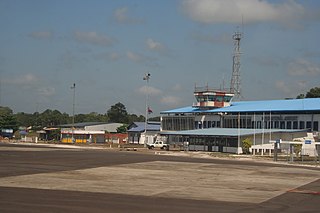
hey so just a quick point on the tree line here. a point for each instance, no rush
(53, 118)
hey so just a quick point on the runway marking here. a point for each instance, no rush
(304, 191)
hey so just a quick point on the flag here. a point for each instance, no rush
(150, 110)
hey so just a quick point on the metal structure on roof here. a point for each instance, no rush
(235, 85)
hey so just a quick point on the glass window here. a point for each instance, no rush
(213, 124)
(295, 125)
(308, 124)
(282, 125)
(276, 125)
(301, 124)
(219, 98)
(259, 125)
(315, 126)
(204, 124)
(218, 123)
(289, 125)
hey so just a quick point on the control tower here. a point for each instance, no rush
(210, 98)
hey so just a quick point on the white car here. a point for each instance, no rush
(158, 144)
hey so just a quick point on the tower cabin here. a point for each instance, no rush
(209, 98)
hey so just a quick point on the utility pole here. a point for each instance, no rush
(146, 78)
(73, 106)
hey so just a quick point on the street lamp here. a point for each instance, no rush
(146, 78)
(73, 105)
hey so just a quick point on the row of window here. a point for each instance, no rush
(246, 123)
(207, 124)
(204, 98)
(186, 123)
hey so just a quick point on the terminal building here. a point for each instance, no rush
(215, 123)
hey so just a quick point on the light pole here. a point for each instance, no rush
(146, 78)
(73, 105)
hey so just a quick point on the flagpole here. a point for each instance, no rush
(146, 78)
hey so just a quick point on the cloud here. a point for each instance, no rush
(93, 38)
(170, 100)
(291, 89)
(222, 38)
(150, 90)
(27, 79)
(154, 45)
(46, 91)
(253, 11)
(108, 56)
(139, 58)
(41, 35)
(302, 67)
(121, 16)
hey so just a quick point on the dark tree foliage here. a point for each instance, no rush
(7, 120)
(118, 113)
(54, 118)
(312, 93)
(91, 117)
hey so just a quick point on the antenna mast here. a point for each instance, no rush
(235, 85)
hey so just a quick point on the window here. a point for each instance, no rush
(308, 124)
(301, 124)
(295, 125)
(289, 125)
(213, 124)
(259, 125)
(276, 124)
(282, 125)
(204, 124)
(315, 126)
(209, 124)
(218, 123)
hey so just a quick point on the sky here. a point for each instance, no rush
(106, 47)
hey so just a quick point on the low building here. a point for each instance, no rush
(88, 132)
(137, 132)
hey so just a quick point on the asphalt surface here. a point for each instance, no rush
(53, 179)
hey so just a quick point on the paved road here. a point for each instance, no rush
(51, 179)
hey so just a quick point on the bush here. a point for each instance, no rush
(246, 144)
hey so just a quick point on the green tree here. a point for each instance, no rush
(312, 93)
(134, 118)
(301, 96)
(118, 113)
(51, 118)
(122, 129)
(25, 119)
(7, 120)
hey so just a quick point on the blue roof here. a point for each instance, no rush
(293, 105)
(141, 127)
(232, 132)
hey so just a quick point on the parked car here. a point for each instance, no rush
(158, 144)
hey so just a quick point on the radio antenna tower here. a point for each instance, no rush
(235, 85)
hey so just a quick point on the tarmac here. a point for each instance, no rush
(144, 180)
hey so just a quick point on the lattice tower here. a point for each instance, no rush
(235, 85)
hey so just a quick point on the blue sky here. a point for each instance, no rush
(106, 47)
